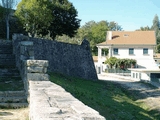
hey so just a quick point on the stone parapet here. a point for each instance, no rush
(49, 101)
(37, 63)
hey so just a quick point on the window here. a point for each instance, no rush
(115, 50)
(145, 50)
(136, 75)
(139, 75)
(131, 51)
(133, 75)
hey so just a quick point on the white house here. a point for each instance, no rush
(138, 45)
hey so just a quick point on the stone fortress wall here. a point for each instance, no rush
(69, 59)
(48, 101)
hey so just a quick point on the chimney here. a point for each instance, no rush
(109, 35)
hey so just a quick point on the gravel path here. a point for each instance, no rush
(146, 93)
(14, 114)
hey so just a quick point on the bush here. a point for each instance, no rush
(120, 63)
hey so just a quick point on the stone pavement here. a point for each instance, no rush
(49, 101)
(121, 79)
(115, 77)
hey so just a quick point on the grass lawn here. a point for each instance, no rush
(110, 99)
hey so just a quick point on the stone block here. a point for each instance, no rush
(27, 43)
(35, 69)
(22, 57)
(22, 49)
(31, 57)
(40, 63)
(37, 77)
(31, 53)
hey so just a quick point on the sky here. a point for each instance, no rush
(129, 14)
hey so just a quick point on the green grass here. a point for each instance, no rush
(109, 99)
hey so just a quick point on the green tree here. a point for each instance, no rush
(48, 17)
(156, 28)
(1, 12)
(94, 32)
(8, 12)
(144, 29)
(158, 48)
(111, 61)
(113, 26)
(156, 24)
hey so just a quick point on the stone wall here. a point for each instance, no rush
(47, 101)
(69, 59)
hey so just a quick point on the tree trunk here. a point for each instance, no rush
(7, 26)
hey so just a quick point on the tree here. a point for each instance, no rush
(144, 29)
(94, 32)
(8, 6)
(1, 12)
(156, 28)
(113, 26)
(156, 24)
(111, 61)
(48, 17)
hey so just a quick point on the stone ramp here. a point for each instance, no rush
(49, 101)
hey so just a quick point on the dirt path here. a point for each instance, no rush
(14, 114)
(144, 92)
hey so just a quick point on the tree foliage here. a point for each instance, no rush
(156, 27)
(94, 32)
(48, 17)
(1, 12)
(111, 61)
(147, 28)
(120, 63)
(113, 26)
(156, 24)
(7, 13)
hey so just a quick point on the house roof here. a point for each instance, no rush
(129, 38)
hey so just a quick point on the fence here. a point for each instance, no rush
(123, 72)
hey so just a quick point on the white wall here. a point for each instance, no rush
(140, 75)
(143, 61)
(138, 53)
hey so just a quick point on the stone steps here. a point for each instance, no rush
(10, 80)
(20, 99)
(6, 49)
(7, 56)
(12, 93)
(9, 72)
(13, 99)
(13, 105)
(7, 62)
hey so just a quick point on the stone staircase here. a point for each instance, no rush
(12, 93)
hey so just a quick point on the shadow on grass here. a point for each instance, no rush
(109, 99)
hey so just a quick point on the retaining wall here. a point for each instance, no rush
(47, 101)
(69, 59)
